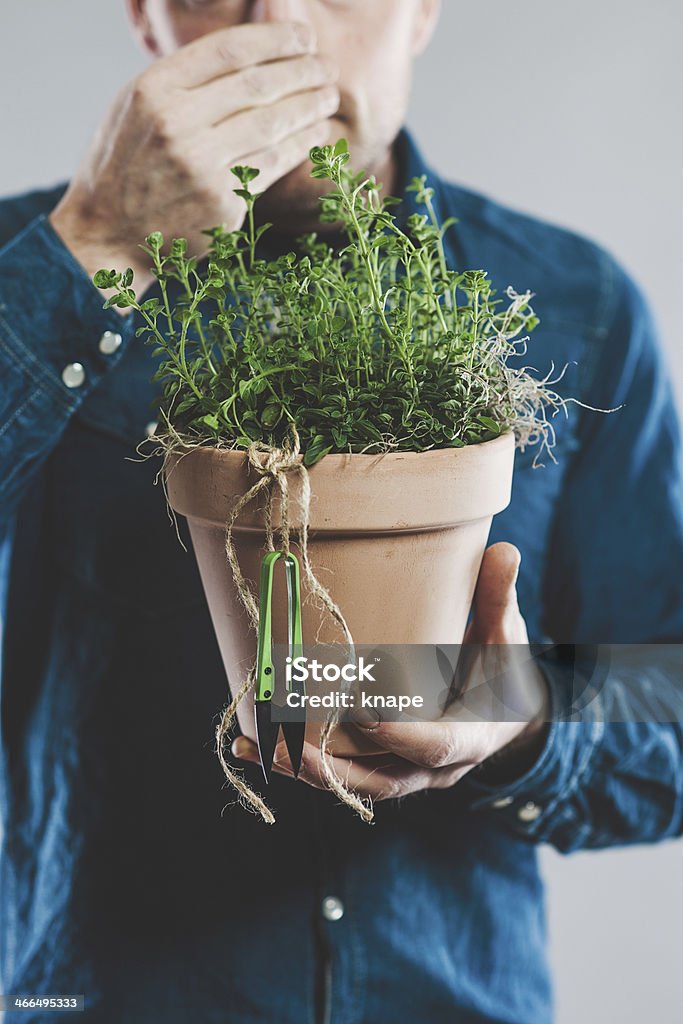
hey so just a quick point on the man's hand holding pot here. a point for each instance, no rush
(437, 755)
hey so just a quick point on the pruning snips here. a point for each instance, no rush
(266, 729)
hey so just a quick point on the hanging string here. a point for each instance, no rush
(272, 466)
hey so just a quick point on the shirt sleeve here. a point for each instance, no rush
(56, 345)
(611, 769)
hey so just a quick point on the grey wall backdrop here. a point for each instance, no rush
(568, 111)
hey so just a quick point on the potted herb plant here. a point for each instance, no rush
(358, 403)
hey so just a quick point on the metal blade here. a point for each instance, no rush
(266, 735)
(294, 738)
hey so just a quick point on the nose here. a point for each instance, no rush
(280, 10)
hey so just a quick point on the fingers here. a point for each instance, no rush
(498, 574)
(422, 745)
(496, 617)
(259, 86)
(381, 778)
(230, 49)
(428, 744)
(267, 127)
(276, 163)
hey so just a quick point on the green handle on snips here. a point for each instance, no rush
(265, 670)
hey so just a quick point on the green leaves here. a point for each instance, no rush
(178, 248)
(375, 345)
(316, 449)
(272, 414)
(106, 279)
(245, 174)
(155, 241)
(328, 161)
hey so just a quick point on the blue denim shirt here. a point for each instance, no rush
(124, 875)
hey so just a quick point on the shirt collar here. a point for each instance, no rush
(411, 164)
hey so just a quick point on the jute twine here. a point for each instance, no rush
(273, 465)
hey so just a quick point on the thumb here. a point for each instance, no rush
(495, 596)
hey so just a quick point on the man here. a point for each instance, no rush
(123, 875)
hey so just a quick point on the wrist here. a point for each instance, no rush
(87, 242)
(519, 755)
(516, 758)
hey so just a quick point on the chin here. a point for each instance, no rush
(292, 203)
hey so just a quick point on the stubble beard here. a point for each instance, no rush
(292, 204)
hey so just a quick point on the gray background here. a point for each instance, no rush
(570, 111)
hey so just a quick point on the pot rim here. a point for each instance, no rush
(392, 492)
(335, 457)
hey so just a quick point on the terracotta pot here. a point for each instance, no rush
(397, 539)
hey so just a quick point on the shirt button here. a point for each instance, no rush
(332, 908)
(151, 427)
(529, 812)
(73, 375)
(109, 342)
(504, 801)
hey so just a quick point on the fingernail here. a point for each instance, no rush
(281, 761)
(366, 718)
(242, 748)
(280, 756)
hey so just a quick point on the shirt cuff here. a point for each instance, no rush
(52, 321)
(539, 803)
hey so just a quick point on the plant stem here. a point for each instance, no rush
(442, 254)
